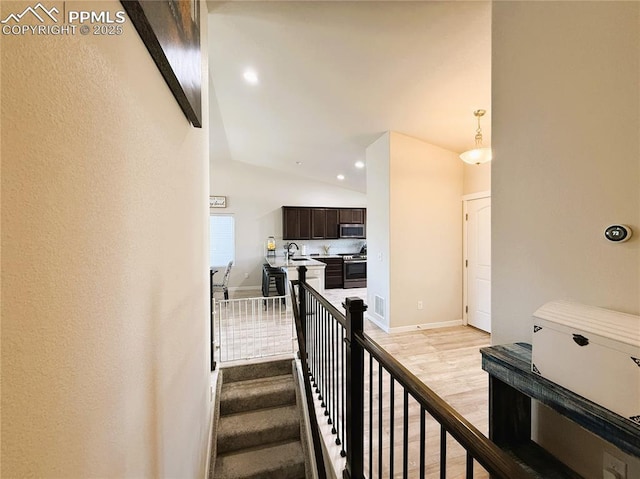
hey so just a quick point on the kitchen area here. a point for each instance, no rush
(329, 241)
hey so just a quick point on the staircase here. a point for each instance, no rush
(258, 432)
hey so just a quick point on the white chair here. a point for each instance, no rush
(223, 286)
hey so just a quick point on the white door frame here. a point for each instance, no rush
(465, 279)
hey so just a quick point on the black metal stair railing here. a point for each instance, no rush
(360, 385)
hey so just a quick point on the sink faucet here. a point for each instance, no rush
(288, 252)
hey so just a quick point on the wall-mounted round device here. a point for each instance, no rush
(618, 233)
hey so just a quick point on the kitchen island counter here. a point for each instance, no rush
(281, 262)
(315, 269)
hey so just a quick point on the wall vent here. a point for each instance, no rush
(378, 306)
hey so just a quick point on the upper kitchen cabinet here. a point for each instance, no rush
(324, 223)
(331, 223)
(296, 223)
(303, 222)
(318, 223)
(352, 216)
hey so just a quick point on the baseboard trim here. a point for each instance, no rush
(216, 385)
(372, 319)
(415, 327)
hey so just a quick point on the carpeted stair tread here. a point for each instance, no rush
(277, 461)
(249, 429)
(257, 394)
(258, 370)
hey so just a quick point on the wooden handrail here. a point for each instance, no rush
(488, 454)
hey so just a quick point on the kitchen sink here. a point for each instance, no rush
(299, 259)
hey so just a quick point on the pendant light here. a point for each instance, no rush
(479, 154)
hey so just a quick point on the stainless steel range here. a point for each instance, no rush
(354, 271)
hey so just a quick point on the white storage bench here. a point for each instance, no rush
(591, 351)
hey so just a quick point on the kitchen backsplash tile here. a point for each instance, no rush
(317, 246)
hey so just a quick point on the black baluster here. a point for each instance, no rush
(469, 466)
(423, 436)
(392, 401)
(318, 352)
(405, 438)
(323, 349)
(302, 277)
(443, 452)
(309, 344)
(343, 388)
(379, 420)
(302, 305)
(335, 402)
(328, 321)
(370, 416)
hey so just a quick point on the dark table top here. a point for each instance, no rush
(511, 363)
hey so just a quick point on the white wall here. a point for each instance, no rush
(415, 250)
(104, 252)
(255, 196)
(566, 123)
(378, 250)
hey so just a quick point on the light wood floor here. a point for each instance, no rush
(448, 361)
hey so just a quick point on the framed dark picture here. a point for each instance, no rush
(170, 29)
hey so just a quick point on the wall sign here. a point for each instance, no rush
(217, 201)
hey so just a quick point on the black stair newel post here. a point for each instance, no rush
(355, 390)
(302, 299)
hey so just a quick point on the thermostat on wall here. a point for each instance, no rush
(618, 233)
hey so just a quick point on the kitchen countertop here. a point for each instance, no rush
(280, 262)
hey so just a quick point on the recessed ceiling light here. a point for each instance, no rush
(359, 164)
(340, 177)
(251, 77)
(298, 163)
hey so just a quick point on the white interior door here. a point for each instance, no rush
(478, 263)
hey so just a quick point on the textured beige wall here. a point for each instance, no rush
(425, 228)
(104, 280)
(566, 122)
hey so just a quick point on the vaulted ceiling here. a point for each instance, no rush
(333, 76)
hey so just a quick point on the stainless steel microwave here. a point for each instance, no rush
(352, 231)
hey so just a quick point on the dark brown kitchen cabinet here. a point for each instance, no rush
(324, 223)
(304, 222)
(358, 216)
(352, 216)
(318, 223)
(296, 223)
(332, 273)
(331, 223)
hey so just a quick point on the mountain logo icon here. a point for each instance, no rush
(39, 11)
